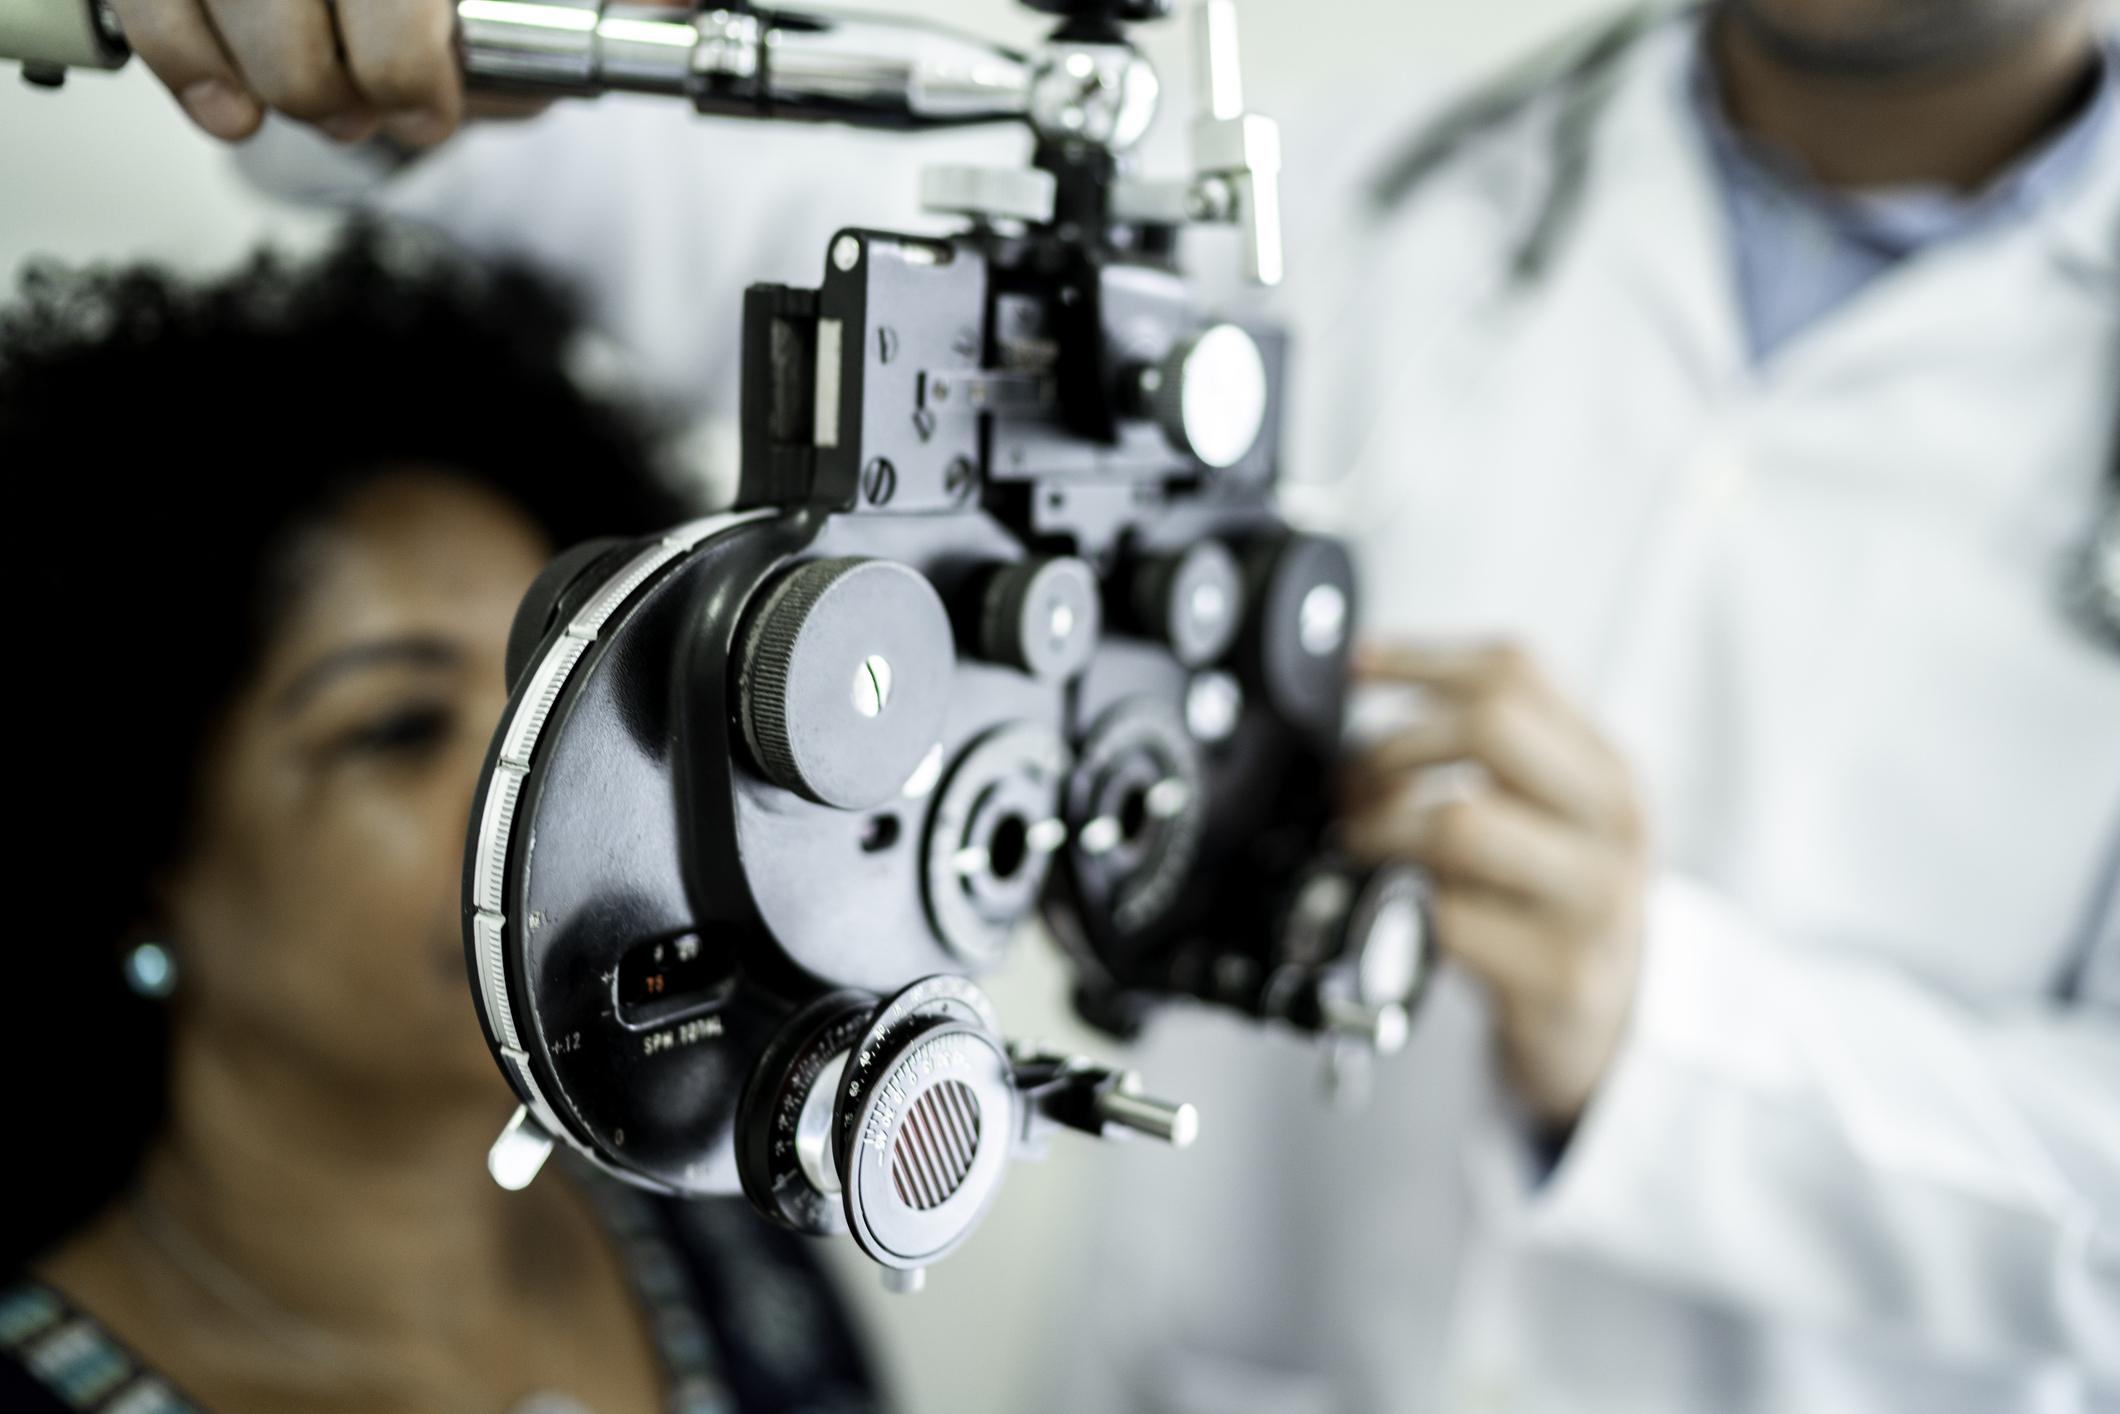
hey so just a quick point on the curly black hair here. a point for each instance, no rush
(164, 441)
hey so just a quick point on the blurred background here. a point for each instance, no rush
(108, 170)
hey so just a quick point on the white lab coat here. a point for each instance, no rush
(1851, 1156)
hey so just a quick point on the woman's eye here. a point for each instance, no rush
(406, 731)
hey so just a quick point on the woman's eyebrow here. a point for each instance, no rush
(419, 651)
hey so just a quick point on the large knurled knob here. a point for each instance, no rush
(845, 679)
(1041, 615)
(1193, 600)
(1302, 627)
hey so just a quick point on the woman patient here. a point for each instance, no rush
(277, 529)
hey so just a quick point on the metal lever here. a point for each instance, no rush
(1073, 1091)
(868, 70)
(519, 1152)
(1215, 59)
(1123, 1104)
(1236, 156)
(1381, 1028)
(1241, 150)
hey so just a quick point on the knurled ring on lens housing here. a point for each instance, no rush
(911, 1204)
(777, 1099)
(844, 679)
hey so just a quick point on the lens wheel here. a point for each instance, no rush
(990, 838)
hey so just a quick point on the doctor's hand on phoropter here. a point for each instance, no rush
(352, 68)
(1539, 874)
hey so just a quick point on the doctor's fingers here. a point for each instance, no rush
(1499, 940)
(1527, 742)
(176, 40)
(229, 60)
(1496, 842)
(1547, 977)
(288, 52)
(1561, 996)
(1492, 668)
(1482, 690)
(403, 57)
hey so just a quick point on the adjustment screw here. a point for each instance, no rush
(879, 481)
(872, 685)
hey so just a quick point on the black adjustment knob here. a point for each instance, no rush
(1302, 628)
(1193, 601)
(845, 679)
(1041, 615)
(1354, 954)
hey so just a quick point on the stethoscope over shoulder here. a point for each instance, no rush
(1578, 76)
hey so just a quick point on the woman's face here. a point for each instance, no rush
(316, 915)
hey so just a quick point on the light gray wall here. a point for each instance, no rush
(108, 170)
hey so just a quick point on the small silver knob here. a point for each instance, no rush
(1175, 1125)
(1381, 1028)
(519, 1153)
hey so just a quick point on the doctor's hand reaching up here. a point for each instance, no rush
(1539, 873)
(351, 68)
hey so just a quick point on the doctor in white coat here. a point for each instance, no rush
(1750, 374)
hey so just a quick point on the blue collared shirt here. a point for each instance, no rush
(1802, 250)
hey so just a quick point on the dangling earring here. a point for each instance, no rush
(151, 971)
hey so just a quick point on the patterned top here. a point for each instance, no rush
(74, 1359)
(742, 1316)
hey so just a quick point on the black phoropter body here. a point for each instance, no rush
(1004, 618)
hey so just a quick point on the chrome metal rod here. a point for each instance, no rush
(1176, 1125)
(867, 70)
(52, 36)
